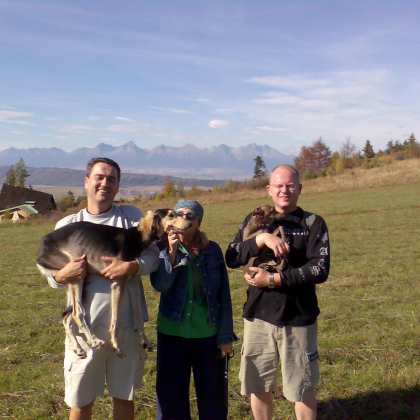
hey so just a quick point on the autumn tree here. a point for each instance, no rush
(313, 158)
(348, 149)
(259, 168)
(194, 191)
(411, 147)
(169, 189)
(393, 147)
(66, 201)
(347, 155)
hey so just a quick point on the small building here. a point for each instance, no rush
(18, 213)
(11, 197)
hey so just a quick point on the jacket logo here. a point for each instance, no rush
(315, 270)
(323, 250)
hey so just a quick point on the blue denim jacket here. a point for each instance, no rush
(172, 282)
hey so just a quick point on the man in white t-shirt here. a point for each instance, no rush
(85, 378)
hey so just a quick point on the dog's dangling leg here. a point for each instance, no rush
(116, 293)
(69, 326)
(135, 291)
(78, 314)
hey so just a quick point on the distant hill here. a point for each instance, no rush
(219, 162)
(75, 178)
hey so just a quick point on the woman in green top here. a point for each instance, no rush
(195, 326)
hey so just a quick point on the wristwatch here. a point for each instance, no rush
(271, 284)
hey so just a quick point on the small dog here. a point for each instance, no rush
(94, 241)
(260, 222)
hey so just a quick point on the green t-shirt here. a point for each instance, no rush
(195, 315)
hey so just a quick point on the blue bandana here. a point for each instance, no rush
(191, 205)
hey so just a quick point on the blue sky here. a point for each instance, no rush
(283, 73)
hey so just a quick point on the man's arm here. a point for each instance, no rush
(75, 270)
(239, 252)
(317, 267)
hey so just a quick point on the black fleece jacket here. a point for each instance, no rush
(293, 303)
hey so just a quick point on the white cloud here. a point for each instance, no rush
(51, 118)
(218, 124)
(93, 118)
(277, 98)
(78, 128)
(18, 132)
(171, 110)
(9, 117)
(125, 119)
(273, 129)
(204, 100)
(250, 130)
(290, 82)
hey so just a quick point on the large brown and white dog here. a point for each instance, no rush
(260, 221)
(95, 241)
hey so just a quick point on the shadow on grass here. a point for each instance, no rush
(402, 404)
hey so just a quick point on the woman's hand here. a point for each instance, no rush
(225, 348)
(173, 240)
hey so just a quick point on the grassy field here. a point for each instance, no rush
(369, 331)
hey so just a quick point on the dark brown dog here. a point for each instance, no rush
(261, 220)
(95, 241)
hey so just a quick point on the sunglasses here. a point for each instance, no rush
(188, 216)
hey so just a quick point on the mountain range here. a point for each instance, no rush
(219, 162)
(64, 177)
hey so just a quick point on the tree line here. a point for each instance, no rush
(318, 160)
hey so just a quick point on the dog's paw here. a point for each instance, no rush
(145, 343)
(119, 353)
(96, 343)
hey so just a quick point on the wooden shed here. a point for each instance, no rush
(11, 196)
(18, 213)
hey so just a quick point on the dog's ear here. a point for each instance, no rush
(257, 212)
(157, 217)
(146, 224)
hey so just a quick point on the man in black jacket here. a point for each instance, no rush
(281, 309)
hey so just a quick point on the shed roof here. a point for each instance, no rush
(27, 208)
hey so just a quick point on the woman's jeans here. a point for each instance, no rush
(176, 356)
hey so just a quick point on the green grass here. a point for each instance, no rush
(369, 329)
